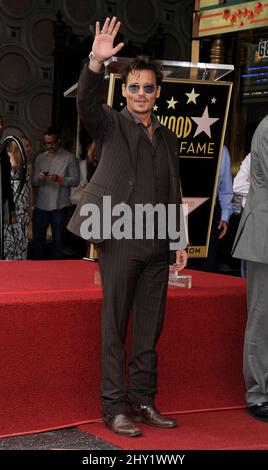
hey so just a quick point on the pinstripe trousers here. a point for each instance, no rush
(134, 277)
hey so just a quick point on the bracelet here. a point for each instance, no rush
(93, 57)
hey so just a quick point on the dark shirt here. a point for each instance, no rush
(152, 181)
(152, 177)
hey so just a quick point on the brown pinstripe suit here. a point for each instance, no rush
(134, 272)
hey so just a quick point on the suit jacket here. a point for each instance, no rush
(251, 242)
(116, 138)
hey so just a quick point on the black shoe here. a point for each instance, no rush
(149, 415)
(259, 411)
(122, 424)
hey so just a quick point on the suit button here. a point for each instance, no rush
(131, 182)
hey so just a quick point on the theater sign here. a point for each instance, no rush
(229, 16)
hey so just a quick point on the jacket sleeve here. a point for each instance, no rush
(36, 171)
(72, 179)
(92, 113)
(260, 146)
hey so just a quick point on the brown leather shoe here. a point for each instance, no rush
(122, 424)
(149, 415)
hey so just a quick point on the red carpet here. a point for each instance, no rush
(221, 430)
(49, 348)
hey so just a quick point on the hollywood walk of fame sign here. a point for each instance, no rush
(197, 112)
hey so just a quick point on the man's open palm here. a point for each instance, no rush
(103, 45)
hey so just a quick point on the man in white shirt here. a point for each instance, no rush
(241, 183)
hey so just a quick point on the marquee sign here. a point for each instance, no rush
(231, 18)
(197, 112)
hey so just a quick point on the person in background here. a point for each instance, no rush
(251, 244)
(241, 185)
(16, 234)
(222, 212)
(87, 166)
(8, 205)
(55, 171)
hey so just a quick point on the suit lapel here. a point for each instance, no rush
(131, 134)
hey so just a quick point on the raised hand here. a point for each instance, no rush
(103, 45)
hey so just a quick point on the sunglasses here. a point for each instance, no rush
(135, 88)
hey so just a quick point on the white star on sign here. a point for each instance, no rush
(193, 203)
(204, 123)
(213, 100)
(155, 108)
(192, 96)
(171, 103)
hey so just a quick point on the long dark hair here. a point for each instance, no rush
(142, 62)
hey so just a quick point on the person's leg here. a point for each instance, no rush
(149, 310)
(40, 225)
(148, 319)
(119, 269)
(57, 220)
(256, 335)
